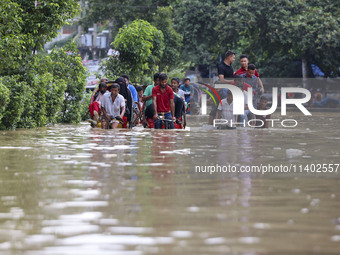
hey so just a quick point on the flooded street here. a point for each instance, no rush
(70, 189)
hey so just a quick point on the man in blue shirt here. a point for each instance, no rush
(188, 91)
(250, 78)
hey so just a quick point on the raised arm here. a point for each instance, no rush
(146, 98)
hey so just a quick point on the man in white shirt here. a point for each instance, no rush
(113, 108)
(225, 111)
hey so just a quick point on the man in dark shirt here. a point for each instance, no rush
(225, 70)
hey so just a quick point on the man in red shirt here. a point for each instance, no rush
(163, 102)
(244, 68)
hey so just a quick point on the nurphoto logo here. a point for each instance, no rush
(239, 102)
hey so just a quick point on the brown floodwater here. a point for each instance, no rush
(70, 189)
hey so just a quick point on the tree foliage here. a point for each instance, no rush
(273, 33)
(120, 12)
(292, 28)
(38, 89)
(195, 20)
(141, 47)
(26, 27)
(171, 57)
(41, 21)
(11, 39)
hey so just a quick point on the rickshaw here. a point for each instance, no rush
(150, 122)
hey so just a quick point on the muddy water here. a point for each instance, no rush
(75, 190)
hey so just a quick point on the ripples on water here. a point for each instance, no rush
(75, 190)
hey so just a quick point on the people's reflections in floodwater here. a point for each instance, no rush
(246, 145)
(107, 162)
(235, 148)
(162, 187)
(113, 166)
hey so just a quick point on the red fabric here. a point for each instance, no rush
(151, 123)
(94, 107)
(246, 85)
(125, 122)
(163, 99)
(243, 71)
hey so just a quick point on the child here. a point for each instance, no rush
(95, 106)
(140, 96)
(261, 119)
(226, 110)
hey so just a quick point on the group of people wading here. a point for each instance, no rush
(119, 103)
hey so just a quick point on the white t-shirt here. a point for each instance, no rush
(181, 93)
(227, 111)
(113, 108)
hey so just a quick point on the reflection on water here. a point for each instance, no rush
(76, 190)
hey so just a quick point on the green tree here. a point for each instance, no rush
(67, 66)
(141, 47)
(11, 39)
(26, 27)
(38, 89)
(42, 19)
(195, 20)
(294, 29)
(120, 12)
(171, 58)
(4, 98)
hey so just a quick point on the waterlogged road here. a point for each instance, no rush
(69, 189)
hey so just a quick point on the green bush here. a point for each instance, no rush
(50, 89)
(111, 68)
(67, 66)
(85, 113)
(4, 98)
(19, 94)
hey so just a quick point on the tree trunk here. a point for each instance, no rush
(304, 71)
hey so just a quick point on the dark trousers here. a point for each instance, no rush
(149, 111)
(178, 106)
(170, 124)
